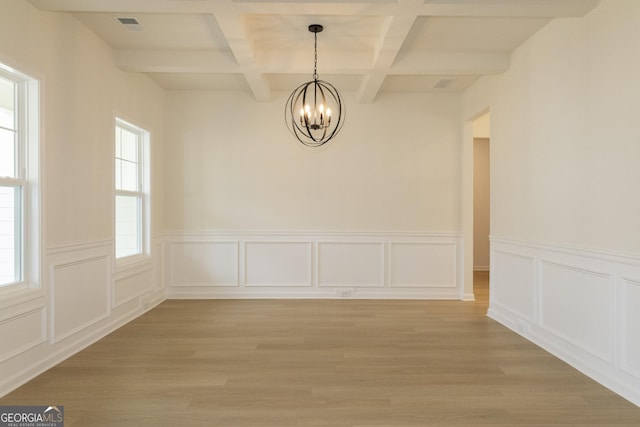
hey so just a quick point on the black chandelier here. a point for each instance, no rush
(315, 111)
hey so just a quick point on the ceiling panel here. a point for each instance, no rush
(465, 34)
(290, 32)
(425, 83)
(160, 31)
(288, 82)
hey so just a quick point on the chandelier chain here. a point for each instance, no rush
(315, 56)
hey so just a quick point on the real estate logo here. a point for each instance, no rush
(31, 416)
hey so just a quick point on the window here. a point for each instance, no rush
(19, 225)
(131, 184)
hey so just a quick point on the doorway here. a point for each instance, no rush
(481, 207)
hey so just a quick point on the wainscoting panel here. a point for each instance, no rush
(351, 264)
(277, 263)
(132, 284)
(20, 332)
(80, 292)
(422, 265)
(576, 306)
(83, 296)
(204, 264)
(274, 264)
(159, 269)
(512, 283)
(579, 304)
(631, 326)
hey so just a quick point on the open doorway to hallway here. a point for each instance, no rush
(481, 207)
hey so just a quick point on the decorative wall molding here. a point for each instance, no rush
(82, 299)
(159, 269)
(78, 247)
(350, 264)
(52, 355)
(276, 263)
(630, 325)
(68, 282)
(580, 305)
(202, 263)
(207, 235)
(408, 269)
(586, 325)
(512, 283)
(81, 274)
(299, 264)
(31, 324)
(132, 284)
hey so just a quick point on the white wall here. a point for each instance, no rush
(81, 295)
(234, 166)
(482, 126)
(564, 218)
(375, 213)
(567, 131)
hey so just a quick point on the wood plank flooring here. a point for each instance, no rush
(332, 363)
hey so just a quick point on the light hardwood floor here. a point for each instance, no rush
(321, 363)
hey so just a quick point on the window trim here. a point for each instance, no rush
(27, 179)
(144, 208)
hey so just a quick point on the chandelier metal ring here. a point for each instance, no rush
(315, 111)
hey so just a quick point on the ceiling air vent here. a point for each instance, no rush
(130, 23)
(443, 83)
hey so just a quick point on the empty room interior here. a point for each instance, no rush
(310, 213)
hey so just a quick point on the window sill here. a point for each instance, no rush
(11, 295)
(131, 262)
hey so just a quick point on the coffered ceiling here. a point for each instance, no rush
(367, 47)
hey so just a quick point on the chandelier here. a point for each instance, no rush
(315, 111)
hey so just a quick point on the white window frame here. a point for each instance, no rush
(26, 180)
(142, 194)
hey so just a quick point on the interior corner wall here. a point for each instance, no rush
(391, 176)
(81, 296)
(565, 248)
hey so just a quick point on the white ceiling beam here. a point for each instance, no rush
(318, 8)
(496, 8)
(339, 62)
(477, 8)
(123, 6)
(511, 9)
(232, 26)
(392, 37)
